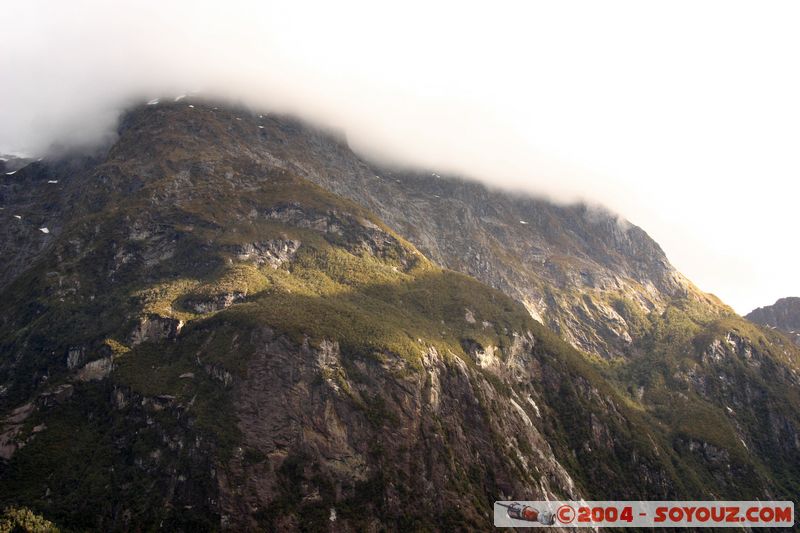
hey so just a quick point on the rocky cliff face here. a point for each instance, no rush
(234, 322)
(573, 267)
(783, 315)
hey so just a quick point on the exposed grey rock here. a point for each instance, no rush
(59, 395)
(219, 373)
(273, 253)
(154, 328)
(214, 303)
(784, 315)
(76, 356)
(338, 419)
(97, 369)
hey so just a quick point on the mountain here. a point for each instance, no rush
(234, 321)
(11, 163)
(783, 315)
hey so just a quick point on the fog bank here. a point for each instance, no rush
(684, 117)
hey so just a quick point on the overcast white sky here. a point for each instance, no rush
(682, 116)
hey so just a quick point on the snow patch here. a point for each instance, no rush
(52, 181)
(180, 97)
(11, 173)
(18, 217)
(154, 101)
(190, 105)
(523, 222)
(44, 230)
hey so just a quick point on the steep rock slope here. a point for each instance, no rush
(678, 354)
(239, 347)
(203, 339)
(783, 315)
(574, 267)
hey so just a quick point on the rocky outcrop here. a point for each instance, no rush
(76, 356)
(368, 422)
(154, 328)
(11, 428)
(273, 252)
(783, 315)
(210, 304)
(355, 233)
(97, 369)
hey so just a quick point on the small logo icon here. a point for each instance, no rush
(566, 514)
(518, 511)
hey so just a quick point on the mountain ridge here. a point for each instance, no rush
(242, 297)
(783, 315)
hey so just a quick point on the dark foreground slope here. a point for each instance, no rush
(206, 339)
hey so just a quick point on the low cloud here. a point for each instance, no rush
(682, 117)
(426, 85)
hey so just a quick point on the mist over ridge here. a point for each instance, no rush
(690, 138)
